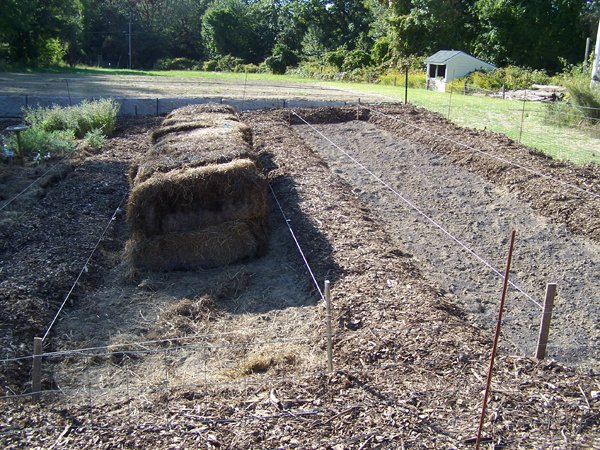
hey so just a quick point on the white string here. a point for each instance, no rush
(29, 186)
(417, 209)
(287, 222)
(84, 268)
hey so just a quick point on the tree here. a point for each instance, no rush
(530, 33)
(31, 27)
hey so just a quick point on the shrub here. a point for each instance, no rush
(94, 139)
(356, 59)
(176, 64)
(39, 142)
(586, 100)
(276, 65)
(52, 53)
(230, 63)
(380, 52)
(89, 115)
(282, 58)
(335, 58)
(54, 130)
(510, 77)
(211, 65)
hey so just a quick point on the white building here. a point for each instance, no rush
(447, 65)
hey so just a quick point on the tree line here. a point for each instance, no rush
(540, 34)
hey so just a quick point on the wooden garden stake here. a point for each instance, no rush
(496, 336)
(36, 371)
(328, 318)
(545, 322)
(406, 86)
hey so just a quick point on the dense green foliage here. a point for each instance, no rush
(54, 130)
(349, 35)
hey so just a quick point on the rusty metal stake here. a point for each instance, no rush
(496, 337)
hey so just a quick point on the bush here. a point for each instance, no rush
(42, 143)
(356, 59)
(94, 139)
(54, 130)
(276, 65)
(586, 100)
(89, 115)
(211, 65)
(176, 64)
(52, 53)
(335, 58)
(416, 79)
(510, 77)
(230, 63)
(282, 58)
(380, 52)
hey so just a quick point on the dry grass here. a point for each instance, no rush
(271, 358)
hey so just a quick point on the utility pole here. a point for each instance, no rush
(129, 39)
(595, 79)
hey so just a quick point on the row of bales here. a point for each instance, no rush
(197, 199)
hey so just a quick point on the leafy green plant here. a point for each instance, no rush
(230, 63)
(41, 143)
(176, 64)
(87, 116)
(95, 139)
(212, 65)
(356, 59)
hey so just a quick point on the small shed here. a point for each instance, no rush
(447, 65)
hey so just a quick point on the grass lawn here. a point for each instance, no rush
(533, 127)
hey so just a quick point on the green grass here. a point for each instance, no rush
(576, 144)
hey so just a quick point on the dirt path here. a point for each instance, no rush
(480, 215)
(143, 86)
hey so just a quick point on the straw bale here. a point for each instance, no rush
(179, 125)
(188, 199)
(212, 246)
(194, 110)
(215, 154)
(194, 138)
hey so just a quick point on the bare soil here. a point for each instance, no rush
(480, 215)
(409, 360)
(143, 86)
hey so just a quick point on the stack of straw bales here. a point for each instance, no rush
(197, 200)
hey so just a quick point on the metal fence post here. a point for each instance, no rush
(522, 117)
(545, 322)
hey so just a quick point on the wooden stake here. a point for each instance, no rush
(328, 318)
(36, 371)
(545, 322)
(496, 337)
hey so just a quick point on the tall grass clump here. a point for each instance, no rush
(586, 100)
(583, 106)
